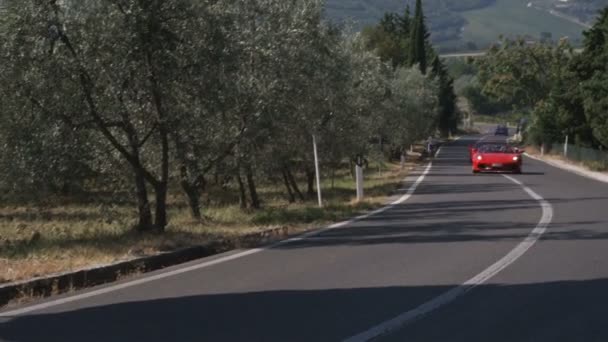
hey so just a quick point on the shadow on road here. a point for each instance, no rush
(461, 221)
(334, 314)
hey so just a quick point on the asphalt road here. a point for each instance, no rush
(346, 281)
(463, 54)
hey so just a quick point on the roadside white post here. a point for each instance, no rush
(542, 149)
(314, 144)
(566, 147)
(359, 176)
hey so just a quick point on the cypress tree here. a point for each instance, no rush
(390, 23)
(419, 40)
(448, 119)
(406, 23)
(414, 27)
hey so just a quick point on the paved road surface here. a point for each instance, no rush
(477, 54)
(463, 54)
(349, 280)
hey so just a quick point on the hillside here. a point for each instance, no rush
(583, 11)
(474, 24)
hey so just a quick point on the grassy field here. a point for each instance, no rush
(63, 235)
(512, 18)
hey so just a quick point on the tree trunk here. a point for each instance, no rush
(255, 200)
(310, 182)
(293, 183)
(194, 201)
(192, 190)
(189, 169)
(193, 194)
(242, 193)
(288, 187)
(143, 204)
(132, 157)
(157, 98)
(160, 219)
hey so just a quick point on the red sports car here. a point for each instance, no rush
(473, 148)
(497, 157)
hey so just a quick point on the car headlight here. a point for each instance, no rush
(479, 158)
(516, 158)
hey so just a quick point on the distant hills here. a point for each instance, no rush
(474, 24)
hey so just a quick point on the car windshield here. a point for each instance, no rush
(496, 148)
(479, 145)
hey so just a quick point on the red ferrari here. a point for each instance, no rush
(497, 157)
(473, 148)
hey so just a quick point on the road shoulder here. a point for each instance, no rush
(564, 165)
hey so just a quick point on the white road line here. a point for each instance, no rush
(451, 295)
(112, 288)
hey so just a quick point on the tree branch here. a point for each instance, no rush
(148, 136)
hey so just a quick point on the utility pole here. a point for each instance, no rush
(359, 176)
(314, 144)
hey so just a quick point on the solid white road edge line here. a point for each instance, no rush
(112, 288)
(451, 295)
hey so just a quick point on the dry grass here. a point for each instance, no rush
(595, 165)
(60, 236)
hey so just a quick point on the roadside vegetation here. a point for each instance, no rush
(64, 234)
(131, 127)
(563, 92)
(560, 92)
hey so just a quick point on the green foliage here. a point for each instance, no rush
(565, 92)
(522, 74)
(151, 96)
(545, 128)
(390, 38)
(419, 40)
(592, 70)
(480, 103)
(532, 78)
(458, 67)
(448, 118)
(405, 41)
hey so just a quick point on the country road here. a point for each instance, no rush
(464, 258)
(477, 54)
(463, 54)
